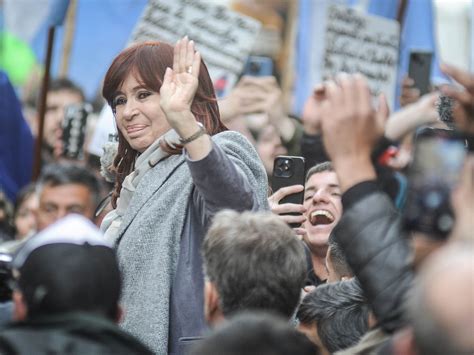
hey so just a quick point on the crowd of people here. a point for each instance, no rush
(197, 255)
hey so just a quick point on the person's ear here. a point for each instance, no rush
(119, 314)
(372, 321)
(404, 342)
(20, 310)
(212, 311)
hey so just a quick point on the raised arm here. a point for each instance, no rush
(230, 176)
(369, 230)
(226, 170)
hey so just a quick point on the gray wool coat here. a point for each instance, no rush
(160, 238)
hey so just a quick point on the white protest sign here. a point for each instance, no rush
(359, 43)
(223, 37)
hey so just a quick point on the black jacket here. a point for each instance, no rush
(74, 333)
(370, 234)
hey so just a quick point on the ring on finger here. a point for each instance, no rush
(189, 69)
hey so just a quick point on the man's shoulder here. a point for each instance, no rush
(72, 337)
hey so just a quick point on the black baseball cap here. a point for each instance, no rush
(68, 267)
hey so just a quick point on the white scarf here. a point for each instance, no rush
(148, 159)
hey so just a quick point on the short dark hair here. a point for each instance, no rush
(340, 312)
(60, 84)
(256, 334)
(255, 261)
(338, 258)
(319, 168)
(59, 174)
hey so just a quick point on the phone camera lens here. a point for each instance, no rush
(255, 67)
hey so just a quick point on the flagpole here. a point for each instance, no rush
(42, 104)
(402, 6)
(69, 28)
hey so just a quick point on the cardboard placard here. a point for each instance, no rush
(223, 37)
(359, 43)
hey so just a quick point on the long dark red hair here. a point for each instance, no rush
(148, 61)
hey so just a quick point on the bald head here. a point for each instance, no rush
(442, 304)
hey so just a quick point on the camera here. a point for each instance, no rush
(259, 66)
(283, 168)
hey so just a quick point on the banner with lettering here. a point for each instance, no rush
(223, 37)
(355, 42)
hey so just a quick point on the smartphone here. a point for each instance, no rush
(432, 176)
(419, 69)
(74, 130)
(288, 171)
(259, 66)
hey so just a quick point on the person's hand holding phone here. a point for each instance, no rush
(248, 96)
(282, 210)
(409, 93)
(404, 121)
(311, 117)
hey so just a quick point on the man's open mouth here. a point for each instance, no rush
(318, 217)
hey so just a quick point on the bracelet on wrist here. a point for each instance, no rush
(193, 137)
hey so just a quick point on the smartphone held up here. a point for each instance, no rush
(258, 66)
(289, 171)
(432, 176)
(74, 130)
(419, 69)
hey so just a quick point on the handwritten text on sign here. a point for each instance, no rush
(360, 43)
(223, 37)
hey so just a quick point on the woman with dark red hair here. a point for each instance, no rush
(176, 167)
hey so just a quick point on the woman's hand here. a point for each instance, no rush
(180, 84)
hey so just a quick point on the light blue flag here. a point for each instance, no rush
(102, 30)
(303, 84)
(418, 33)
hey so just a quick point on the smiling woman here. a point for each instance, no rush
(176, 167)
(134, 99)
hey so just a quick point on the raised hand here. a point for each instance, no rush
(351, 128)
(180, 83)
(250, 95)
(410, 94)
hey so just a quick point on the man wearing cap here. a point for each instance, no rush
(67, 289)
